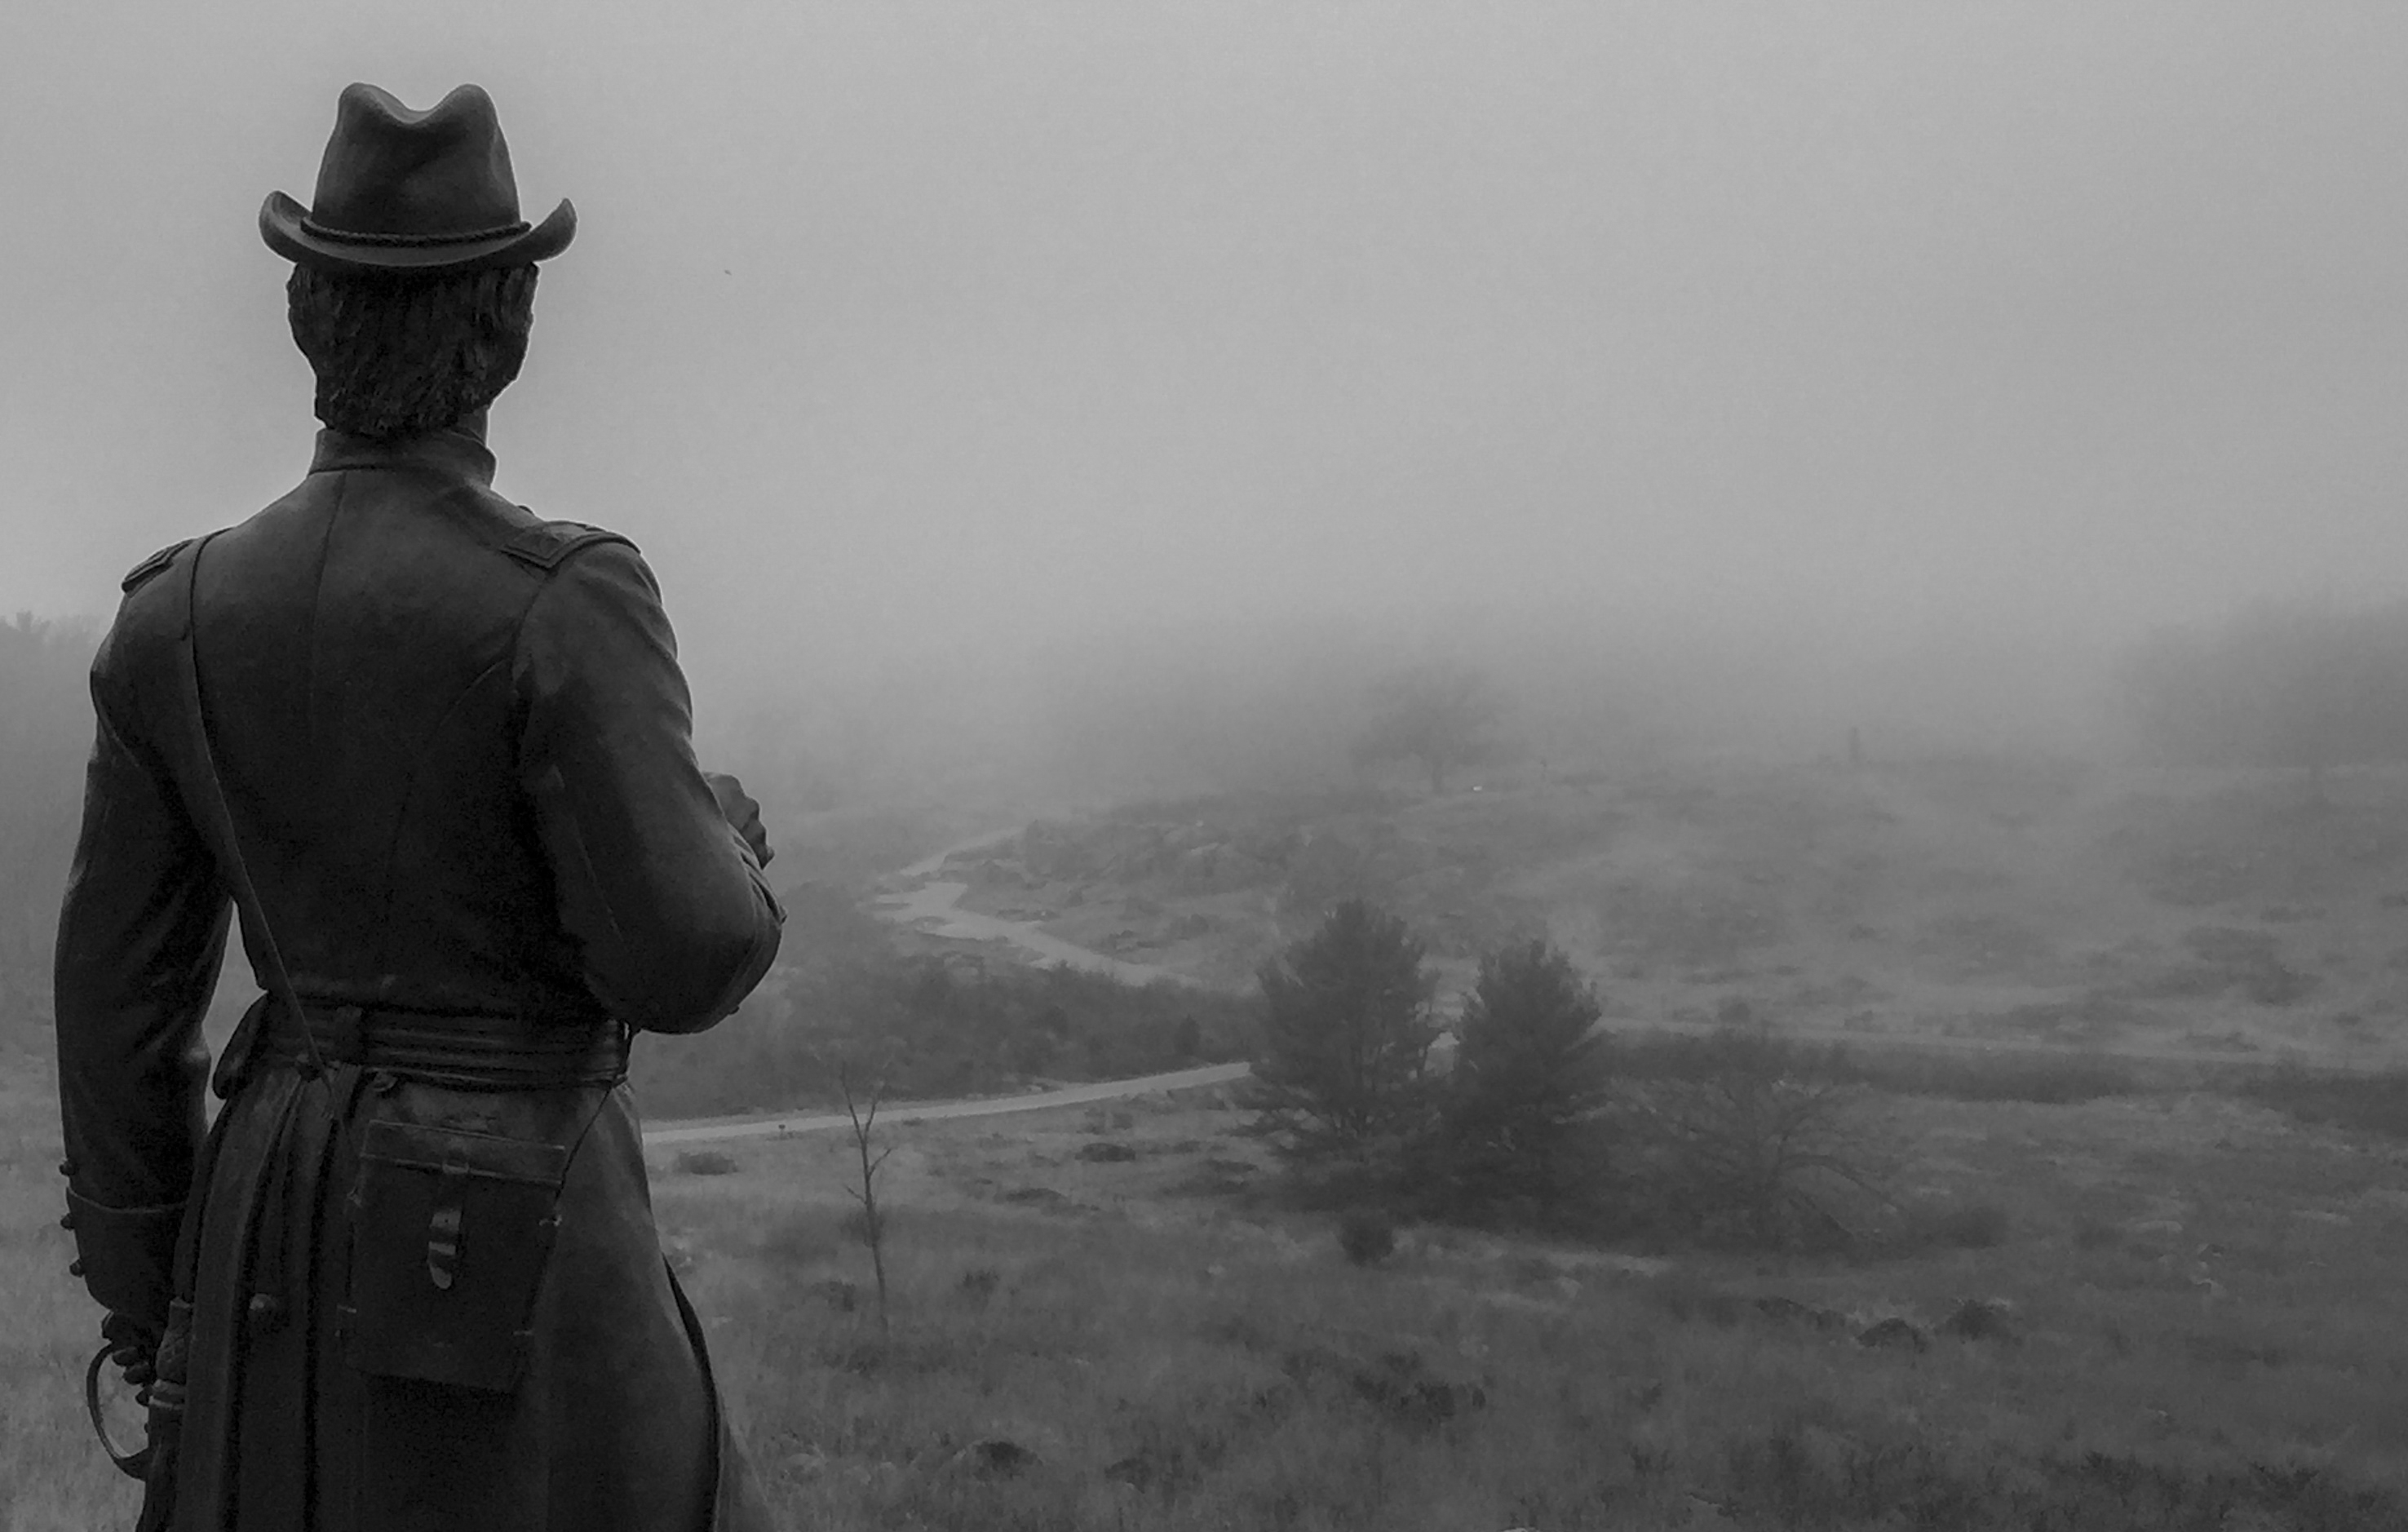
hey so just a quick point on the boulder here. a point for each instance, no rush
(1895, 1332)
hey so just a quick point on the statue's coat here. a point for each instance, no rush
(454, 740)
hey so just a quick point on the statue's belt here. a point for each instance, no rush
(464, 1051)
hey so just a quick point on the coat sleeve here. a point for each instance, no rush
(671, 916)
(141, 935)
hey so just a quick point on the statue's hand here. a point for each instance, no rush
(134, 1347)
(739, 809)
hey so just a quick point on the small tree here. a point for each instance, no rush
(1346, 1036)
(1437, 716)
(873, 1219)
(1529, 1078)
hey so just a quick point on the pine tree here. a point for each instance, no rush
(1530, 1070)
(1346, 1036)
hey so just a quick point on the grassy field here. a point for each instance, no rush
(2203, 1333)
(51, 1472)
(1102, 1319)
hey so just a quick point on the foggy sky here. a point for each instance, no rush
(948, 328)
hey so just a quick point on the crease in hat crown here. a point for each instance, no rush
(413, 193)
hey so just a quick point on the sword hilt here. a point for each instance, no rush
(134, 1464)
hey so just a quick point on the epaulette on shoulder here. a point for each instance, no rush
(151, 565)
(546, 543)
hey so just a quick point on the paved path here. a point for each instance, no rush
(934, 863)
(712, 1130)
(934, 908)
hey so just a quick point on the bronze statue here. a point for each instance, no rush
(433, 753)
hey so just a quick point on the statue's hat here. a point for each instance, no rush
(404, 192)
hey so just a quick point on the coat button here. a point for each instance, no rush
(66, 1167)
(75, 1268)
(67, 1221)
(267, 1311)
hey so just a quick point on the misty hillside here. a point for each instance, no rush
(1980, 898)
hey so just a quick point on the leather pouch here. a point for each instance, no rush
(450, 1231)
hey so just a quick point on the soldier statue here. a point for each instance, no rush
(433, 753)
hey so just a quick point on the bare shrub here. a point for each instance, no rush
(1749, 1143)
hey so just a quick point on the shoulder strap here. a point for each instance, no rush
(213, 802)
(544, 545)
(151, 565)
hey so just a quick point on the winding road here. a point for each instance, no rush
(933, 908)
(713, 1130)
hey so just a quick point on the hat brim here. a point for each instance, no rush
(281, 223)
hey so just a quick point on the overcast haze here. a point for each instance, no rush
(937, 328)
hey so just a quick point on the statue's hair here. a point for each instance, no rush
(398, 355)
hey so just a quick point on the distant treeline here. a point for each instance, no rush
(923, 1025)
(45, 734)
(2302, 684)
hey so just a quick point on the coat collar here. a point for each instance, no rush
(455, 451)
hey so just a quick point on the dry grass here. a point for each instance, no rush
(52, 1477)
(1174, 1361)
(2205, 1302)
